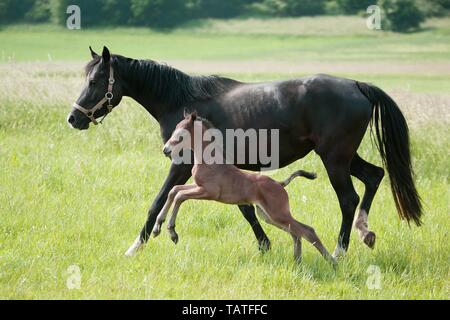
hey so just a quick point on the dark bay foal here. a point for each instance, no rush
(225, 183)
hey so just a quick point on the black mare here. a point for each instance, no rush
(326, 114)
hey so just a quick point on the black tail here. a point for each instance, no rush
(300, 173)
(392, 136)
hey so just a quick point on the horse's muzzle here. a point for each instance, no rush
(77, 122)
(167, 152)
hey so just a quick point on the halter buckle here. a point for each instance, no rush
(109, 95)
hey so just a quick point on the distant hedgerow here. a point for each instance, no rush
(401, 15)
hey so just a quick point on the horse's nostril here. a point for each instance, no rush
(167, 151)
(71, 119)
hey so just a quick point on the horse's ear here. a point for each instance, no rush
(194, 116)
(93, 54)
(106, 55)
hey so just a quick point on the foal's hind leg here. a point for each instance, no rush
(371, 176)
(307, 232)
(286, 222)
(297, 248)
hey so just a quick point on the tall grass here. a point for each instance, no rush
(80, 198)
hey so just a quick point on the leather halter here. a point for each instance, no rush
(108, 97)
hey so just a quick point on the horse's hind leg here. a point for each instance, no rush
(339, 173)
(371, 176)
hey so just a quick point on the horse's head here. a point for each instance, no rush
(101, 93)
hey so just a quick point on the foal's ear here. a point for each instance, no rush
(106, 55)
(93, 54)
(186, 113)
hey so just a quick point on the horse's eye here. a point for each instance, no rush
(91, 82)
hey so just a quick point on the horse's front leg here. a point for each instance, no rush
(248, 211)
(178, 175)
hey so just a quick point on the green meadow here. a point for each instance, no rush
(74, 200)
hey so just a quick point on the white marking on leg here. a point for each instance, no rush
(339, 251)
(137, 245)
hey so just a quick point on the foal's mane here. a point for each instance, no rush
(165, 83)
(208, 124)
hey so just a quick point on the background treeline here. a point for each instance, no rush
(401, 15)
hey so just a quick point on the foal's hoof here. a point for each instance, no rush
(156, 231)
(369, 239)
(173, 234)
(174, 238)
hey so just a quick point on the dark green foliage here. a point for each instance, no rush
(354, 6)
(39, 11)
(401, 15)
(116, 12)
(295, 7)
(158, 13)
(217, 8)
(434, 8)
(13, 10)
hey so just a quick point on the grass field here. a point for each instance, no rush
(71, 198)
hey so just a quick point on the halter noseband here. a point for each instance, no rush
(108, 97)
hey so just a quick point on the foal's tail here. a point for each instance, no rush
(300, 173)
(392, 137)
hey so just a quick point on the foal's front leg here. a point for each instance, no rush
(163, 214)
(197, 193)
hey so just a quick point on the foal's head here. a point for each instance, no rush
(102, 91)
(183, 135)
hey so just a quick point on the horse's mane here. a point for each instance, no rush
(165, 83)
(91, 64)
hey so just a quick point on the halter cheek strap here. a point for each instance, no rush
(108, 97)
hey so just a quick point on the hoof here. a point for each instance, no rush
(339, 253)
(264, 246)
(174, 238)
(369, 239)
(135, 248)
(173, 234)
(156, 231)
